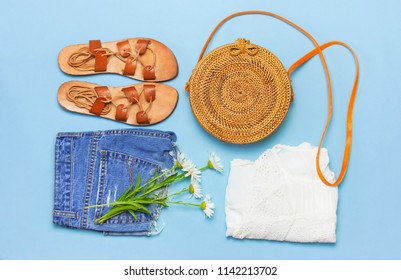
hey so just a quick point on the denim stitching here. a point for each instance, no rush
(168, 135)
(91, 171)
(67, 143)
(100, 189)
(69, 134)
(114, 153)
(56, 173)
(65, 214)
(138, 133)
(71, 176)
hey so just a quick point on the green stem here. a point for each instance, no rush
(204, 168)
(161, 185)
(158, 177)
(137, 202)
(139, 189)
(178, 193)
(183, 203)
(128, 202)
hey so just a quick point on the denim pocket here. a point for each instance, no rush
(117, 172)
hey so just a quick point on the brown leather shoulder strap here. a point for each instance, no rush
(348, 133)
(254, 12)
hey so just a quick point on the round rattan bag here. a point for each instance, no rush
(240, 92)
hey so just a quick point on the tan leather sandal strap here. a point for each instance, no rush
(141, 46)
(142, 117)
(103, 91)
(95, 49)
(101, 61)
(98, 106)
(130, 66)
(150, 92)
(103, 95)
(132, 94)
(121, 113)
(94, 45)
(149, 73)
(124, 48)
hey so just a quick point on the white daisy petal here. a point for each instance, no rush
(207, 206)
(180, 161)
(214, 162)
(187, 165)
(192, 171)
(195, 190)
(196, 179)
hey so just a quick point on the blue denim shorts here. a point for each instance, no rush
(97, 167)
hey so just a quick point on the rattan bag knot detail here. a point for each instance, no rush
(240, 92)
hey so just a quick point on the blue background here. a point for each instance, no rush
(369, 212)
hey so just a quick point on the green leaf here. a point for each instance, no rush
(137, 189)
(134, 199)
(125, 193)
(117, 210)
(138, 180)
(133, 214)
(143, 209)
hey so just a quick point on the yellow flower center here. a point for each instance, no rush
(210, 165)
(178, 164)
(203, 205)
(191, 189)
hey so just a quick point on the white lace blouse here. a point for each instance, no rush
(280, 197)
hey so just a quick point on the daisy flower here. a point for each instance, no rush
(207, 206)
(192, 171)
(180, 161)
(195, 189)
(214, 162)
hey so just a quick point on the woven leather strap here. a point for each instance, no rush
(318, 50)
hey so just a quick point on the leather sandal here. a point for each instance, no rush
(139, 104)
(142, 59)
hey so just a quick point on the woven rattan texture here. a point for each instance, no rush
(238, 96)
